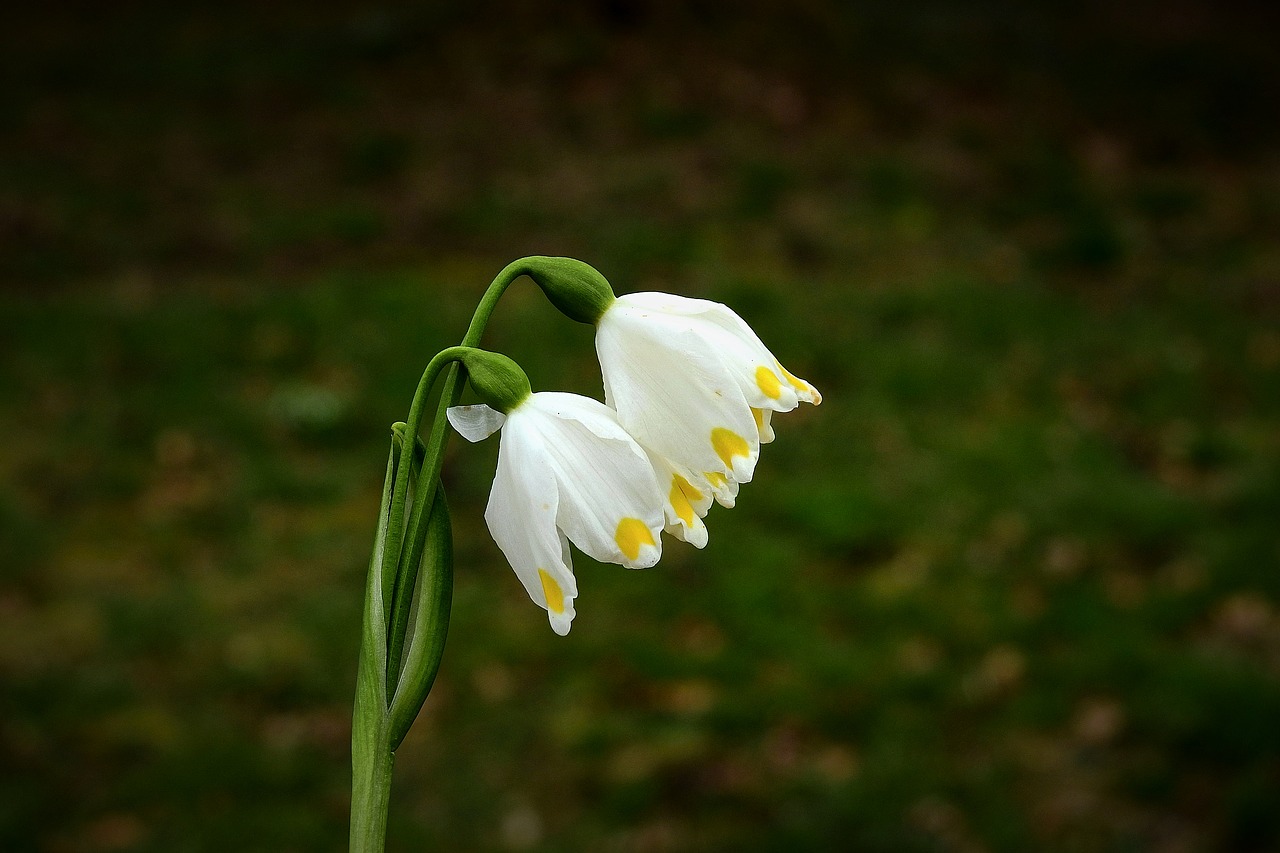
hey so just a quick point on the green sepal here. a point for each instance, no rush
(576, 288)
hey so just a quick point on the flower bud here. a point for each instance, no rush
(576, 288)
(498, 381)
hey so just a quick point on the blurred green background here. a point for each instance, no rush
(1016, 585)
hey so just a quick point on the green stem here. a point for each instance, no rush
(401, 593)
(371, 764)
(376, 731)
(370, 758)
(398, 579)
(395, 528)
(452, 387)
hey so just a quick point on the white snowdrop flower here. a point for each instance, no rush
(567, 472)
(695, 386)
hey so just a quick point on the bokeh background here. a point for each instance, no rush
(1015, 585)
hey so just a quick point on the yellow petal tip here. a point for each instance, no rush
(682, 496)
(729, 444)
(551, 589)
(631, 535)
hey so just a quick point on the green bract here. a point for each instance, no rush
(576, 288)
(497, 380)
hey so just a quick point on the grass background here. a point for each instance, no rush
(1014, 586)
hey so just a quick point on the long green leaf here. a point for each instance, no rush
(431, 621)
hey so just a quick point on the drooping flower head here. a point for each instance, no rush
(567, 472)
(695, 386)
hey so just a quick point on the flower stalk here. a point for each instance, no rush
(413, 534)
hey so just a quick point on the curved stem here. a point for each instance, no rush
(409, 557)
(392, 572)
(395, 528)
(377, 728)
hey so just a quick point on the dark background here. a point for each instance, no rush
(1015, 585)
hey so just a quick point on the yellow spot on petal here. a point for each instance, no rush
(729, 444)
(632, 533)
(682, 496)
(769, 383)
(759, 416)
(802, 386)
(794, 380)
(690, 491)
(551, 589)
(681, 505)
(716, 479)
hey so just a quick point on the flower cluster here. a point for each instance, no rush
(690, 391)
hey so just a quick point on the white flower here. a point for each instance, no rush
(696, 388)
(567, 471)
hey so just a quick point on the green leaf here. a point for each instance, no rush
(431, 621)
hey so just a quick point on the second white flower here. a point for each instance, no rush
(567, 471)
(697, 389)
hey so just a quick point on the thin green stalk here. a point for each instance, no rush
(399, 545)
(414, 540)
(398, 579)
(453, 391)
(395, 528)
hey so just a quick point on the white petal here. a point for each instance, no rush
(599, 419)
(476, 423)
(610, 502)
(654, 302)
(804, 390)
(758, 373)
(765, 383)
(522, 519)
(725, 493)
(685, 505)
(676, 396)
(763, 416)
